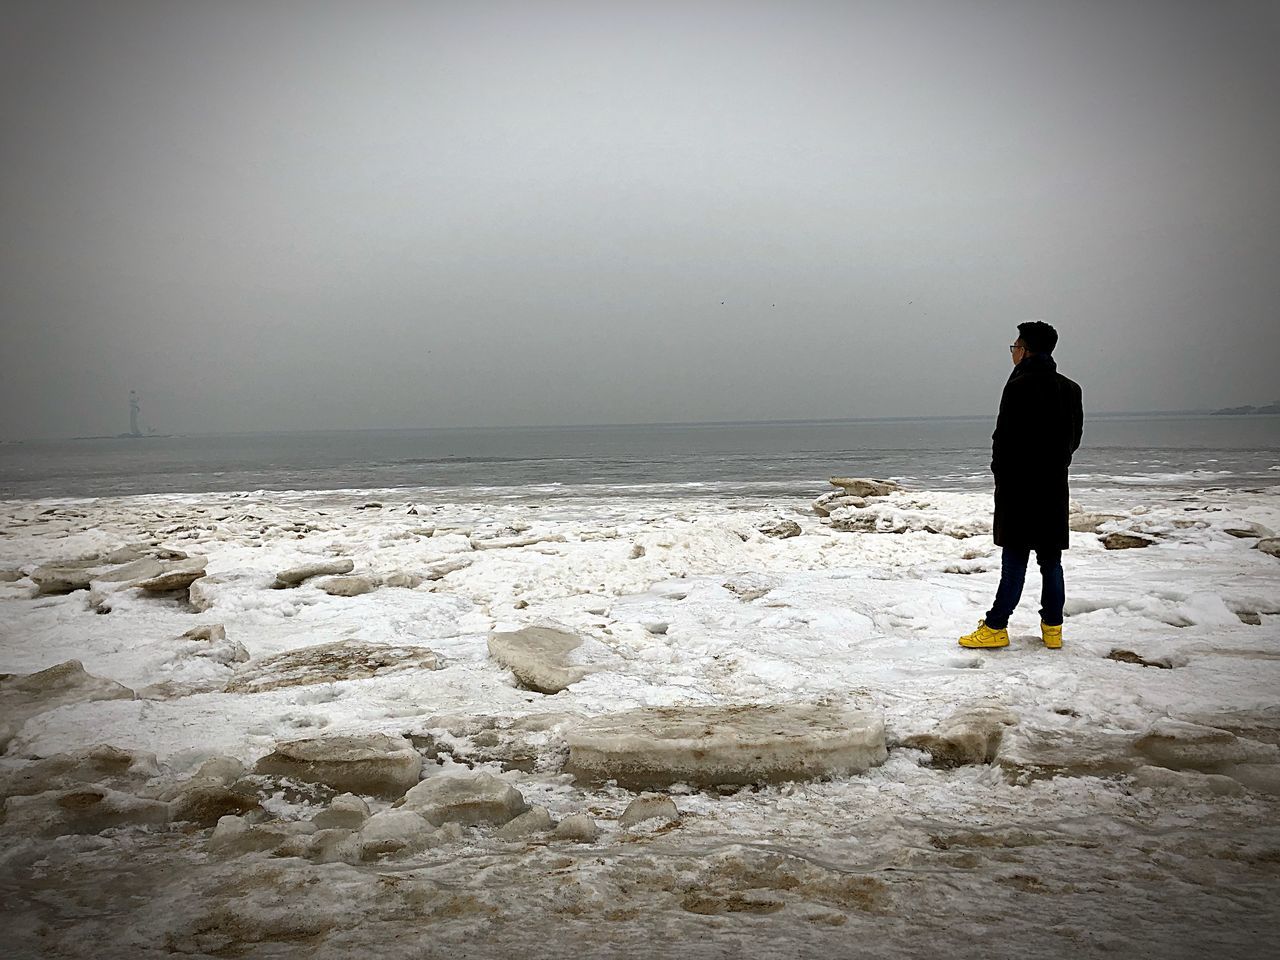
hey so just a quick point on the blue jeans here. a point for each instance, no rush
(1013, 573)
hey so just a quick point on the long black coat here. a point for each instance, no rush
(1039, 428)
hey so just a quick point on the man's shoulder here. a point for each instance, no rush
(1067, 382)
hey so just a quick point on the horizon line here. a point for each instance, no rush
(614, 425)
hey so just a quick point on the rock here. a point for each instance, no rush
(970, 735)
(208, 803)
(1251, 617)
(102, 765)
(712, 746)
(329, 663)
(25, 695)
(578, 828)
(858, 487)
(539, 657)
(1125, 541)
(82, 810)
(1270, 546)
(781, 529)
(179, 576)
(467, 799)
(1128, 656)
(649, 807)
(10, 574)
(534, 820)
(345, 811)
(347, 586)
(287, 579)
(373, 765)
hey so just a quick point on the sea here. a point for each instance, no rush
(762, 459)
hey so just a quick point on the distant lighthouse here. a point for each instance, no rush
(134, 408)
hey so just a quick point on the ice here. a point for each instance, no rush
(329, 663)
(709, 746)
(577, 828)
(345, 811)
(348, 586)
(533, 821)
(1097, 793)
(293, 576)
(22, 697)
(84, 809)
(970, 735)
(540, 657)
(372, 765)
(467, 799)
(648, 807)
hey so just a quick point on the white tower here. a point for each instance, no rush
(133, 414)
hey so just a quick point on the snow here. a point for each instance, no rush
(1114, 789)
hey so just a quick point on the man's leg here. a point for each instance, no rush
(1053, 592)
(1013, 572)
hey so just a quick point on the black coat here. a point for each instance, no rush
(1039, 427)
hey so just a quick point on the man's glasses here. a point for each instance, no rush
(1013, 348)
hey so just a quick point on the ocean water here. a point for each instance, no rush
(757, 459)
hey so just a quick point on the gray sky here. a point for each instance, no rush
(296, 215)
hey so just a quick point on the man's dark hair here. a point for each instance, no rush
(1038, 336)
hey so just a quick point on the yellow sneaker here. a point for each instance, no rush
(985, 637)
(1052, 636)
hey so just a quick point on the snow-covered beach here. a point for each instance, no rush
(1119, 795)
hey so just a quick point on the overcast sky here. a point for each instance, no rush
(297, 215)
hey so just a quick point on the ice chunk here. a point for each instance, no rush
(328, 663)
(296, 575)
(534, 820)
(345, 811)
(710, 746)
(467, 799)
(374, 764)
(781, 528)
(348, 586)
(398, 831)
(177, 576)
(970, 735)
(578, 828)
(85, 809)
(103, 765)
(206, 803)
(25, 695)
(860, 487)
(1125, 541)
(649, 807)
(539, 657)
(1180, 745)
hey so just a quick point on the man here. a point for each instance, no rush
(1038, 429)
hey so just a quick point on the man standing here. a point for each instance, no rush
(1038, 429)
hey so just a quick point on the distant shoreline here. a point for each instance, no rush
(1251, 412)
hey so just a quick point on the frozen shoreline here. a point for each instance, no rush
(687, 604)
